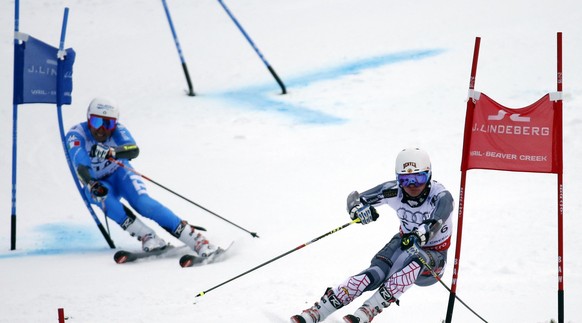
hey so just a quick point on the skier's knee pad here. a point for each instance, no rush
(426, 277)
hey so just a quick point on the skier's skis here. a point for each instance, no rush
(123, 256)
(189, 260)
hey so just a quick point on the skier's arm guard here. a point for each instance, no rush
(375, 195)
(84, 174)
(129, 151)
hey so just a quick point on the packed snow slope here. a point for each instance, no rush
(365, 79)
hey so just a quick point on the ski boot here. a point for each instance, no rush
(195, 240)
(320, 310)
(372, 307)
(149, 240)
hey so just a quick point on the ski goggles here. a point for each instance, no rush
(97, 122)
(413, 178)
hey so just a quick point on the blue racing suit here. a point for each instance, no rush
(120, 181)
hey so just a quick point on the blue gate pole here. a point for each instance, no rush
(14, 141)
(177, 42)
(62, 133)
(283, 89)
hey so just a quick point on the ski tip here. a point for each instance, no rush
(189, 260)
(186, 261)
(120, 257)
(121, 260)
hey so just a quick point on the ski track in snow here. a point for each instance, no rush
(255, 97)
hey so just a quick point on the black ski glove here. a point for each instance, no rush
(98, 191)
(414, 236)
(408, 240)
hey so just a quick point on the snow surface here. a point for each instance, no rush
(365, 79)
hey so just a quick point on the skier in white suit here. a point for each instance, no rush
(424, 208)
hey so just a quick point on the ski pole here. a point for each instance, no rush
(413, 250)
(254, 234)
(280, 256)
(284, 91)
(179, 48)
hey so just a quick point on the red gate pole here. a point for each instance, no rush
(61, 315)
(558, 124)
(466, 145)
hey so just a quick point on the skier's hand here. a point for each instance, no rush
(415, 236)
(408, 240)
(101, 151)
(366, 213)
(98, 191)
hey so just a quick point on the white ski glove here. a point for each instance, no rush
(101, 151)
(356, 209)
(366, 213)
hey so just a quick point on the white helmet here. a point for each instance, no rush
(412, 160)
(103, 108)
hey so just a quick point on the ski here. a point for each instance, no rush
(124, 256)
(189, 260)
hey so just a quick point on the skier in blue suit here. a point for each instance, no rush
(92, 147)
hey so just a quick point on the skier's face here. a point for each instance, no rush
(101, 128)
(413, 183)
(101, 134)
(414, 190)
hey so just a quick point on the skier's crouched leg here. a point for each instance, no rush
(339, 296)
(382, 263)
(354, 286)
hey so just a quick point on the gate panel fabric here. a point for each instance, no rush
(508, 139)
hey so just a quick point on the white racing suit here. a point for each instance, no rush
(393, 270)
